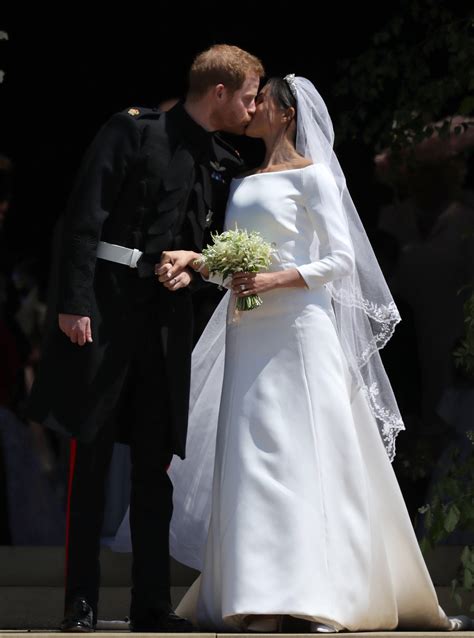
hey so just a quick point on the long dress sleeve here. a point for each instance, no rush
(324, 207)
(95, 192)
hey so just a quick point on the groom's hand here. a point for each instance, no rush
(76, 327)
(178, 281)
(173, 263)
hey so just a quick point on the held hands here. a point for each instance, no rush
(173, 270)
(173, 283)
(76, 327)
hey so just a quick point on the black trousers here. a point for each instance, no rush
(144, 402)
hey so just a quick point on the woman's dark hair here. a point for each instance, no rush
(280, 91)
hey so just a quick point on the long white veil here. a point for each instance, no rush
(192, 477)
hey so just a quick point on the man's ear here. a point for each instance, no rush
(220, 91)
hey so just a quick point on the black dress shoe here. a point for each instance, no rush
(164, 620)
(79, 617)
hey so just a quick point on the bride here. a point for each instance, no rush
(287, 502)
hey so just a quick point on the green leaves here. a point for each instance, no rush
(239, 251)
(420, 61)
(451, 507)
(452, 518)
(463, 354)
(467, 561)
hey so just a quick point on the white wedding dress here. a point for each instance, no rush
(301, 514)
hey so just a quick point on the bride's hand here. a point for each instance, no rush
(254, 282)
(179, 281)
(173, 263)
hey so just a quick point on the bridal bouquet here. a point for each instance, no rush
(238, 251)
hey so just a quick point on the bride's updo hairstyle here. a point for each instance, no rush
(279, 90)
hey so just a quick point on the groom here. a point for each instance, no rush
(116, 366)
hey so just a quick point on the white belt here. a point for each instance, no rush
(119, 254)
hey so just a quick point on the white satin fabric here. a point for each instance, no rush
(292, 505)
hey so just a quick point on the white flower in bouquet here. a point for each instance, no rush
(238, 251)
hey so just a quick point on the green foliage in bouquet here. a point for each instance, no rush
(238, 251)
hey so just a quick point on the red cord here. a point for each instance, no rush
(72, 463)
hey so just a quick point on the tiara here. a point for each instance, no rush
(290, 78)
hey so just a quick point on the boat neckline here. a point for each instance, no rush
(286, 170)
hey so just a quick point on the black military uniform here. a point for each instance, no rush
(150, 181)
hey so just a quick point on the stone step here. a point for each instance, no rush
(44, 566)
(113, 633)
(443, 563)
(42, 607)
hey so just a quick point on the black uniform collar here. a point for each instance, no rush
(192, 132)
